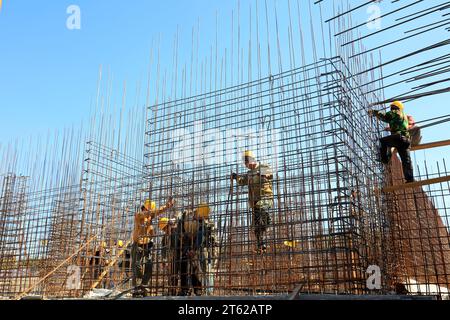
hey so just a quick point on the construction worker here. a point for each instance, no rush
(125, 261)
(190, 270)
(399, 137)
(142, 243)
(190, 248)
(114, 254)
(170, 251)
(207, 245)
(260, 195)
(98, 260)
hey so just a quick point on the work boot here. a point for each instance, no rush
(138, 293)
(198, 292)
(261, 249)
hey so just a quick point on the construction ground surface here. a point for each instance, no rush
(343, 225)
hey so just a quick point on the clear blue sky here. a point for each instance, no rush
(48, 74)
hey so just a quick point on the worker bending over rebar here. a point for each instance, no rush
(189, 247)
(399, 137)
(260, 196)
(142, 243)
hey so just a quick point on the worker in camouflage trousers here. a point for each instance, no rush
(260, 196)
(207, 246)
(399, 137)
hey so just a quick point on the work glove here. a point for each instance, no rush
(234, 176)
(370, 112)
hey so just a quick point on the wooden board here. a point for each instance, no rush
(430, 145)
(416, 184)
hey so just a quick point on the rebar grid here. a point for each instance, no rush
(311, 128)
(330, 221)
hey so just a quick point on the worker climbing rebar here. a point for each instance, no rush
(260, 196)
(142, 243)
(399, 137)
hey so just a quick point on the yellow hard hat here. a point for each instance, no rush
(203, 210)
(398, 104)
(150, 205)
(104, 244)
(248, 153)
(291, 244)
(163, 222)
(120, 243)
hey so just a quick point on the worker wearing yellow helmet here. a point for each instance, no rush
(198, 249)
(149, 205)
(259, 180)
(207, 248)
(142, 242)
(399, 137)
(202, 211)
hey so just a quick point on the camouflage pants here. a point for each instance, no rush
(261, 220)
(207, 263)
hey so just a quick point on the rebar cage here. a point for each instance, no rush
(331, 222)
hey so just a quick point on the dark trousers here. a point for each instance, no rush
(261, 220)
(141, 257)
(174, 266)
(402, 144)
(190, 269)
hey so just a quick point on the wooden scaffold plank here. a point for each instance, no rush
(416, 184)
(430, 145)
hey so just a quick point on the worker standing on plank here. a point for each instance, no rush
(399, 137)
(142, 242)
(260, 196)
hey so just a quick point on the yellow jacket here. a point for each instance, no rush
(143, 229)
